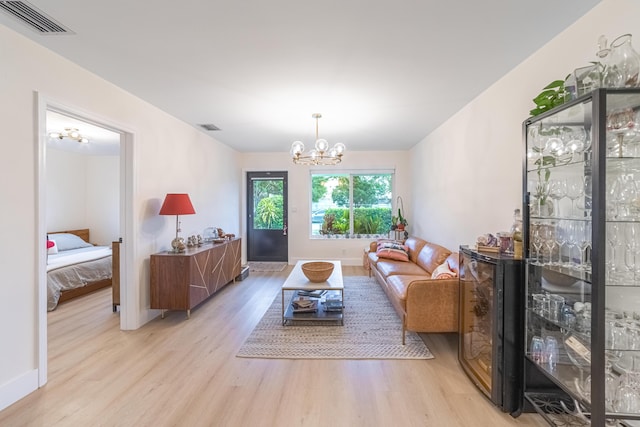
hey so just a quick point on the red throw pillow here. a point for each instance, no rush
(50, 244)
(393, 250)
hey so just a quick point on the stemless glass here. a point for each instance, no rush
(551, 353)
(536, 350)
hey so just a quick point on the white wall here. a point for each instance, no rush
(84, 192)
(168, 156)
(467, 175)
(301, 245)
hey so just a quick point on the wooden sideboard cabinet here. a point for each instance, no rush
(182, 281)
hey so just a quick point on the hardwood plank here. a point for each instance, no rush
(175, 371)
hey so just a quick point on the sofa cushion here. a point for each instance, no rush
(393, 250)
(389, 268)
(398, 285)
(431, 256)
(415, 245)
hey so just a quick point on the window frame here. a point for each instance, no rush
(350, 173)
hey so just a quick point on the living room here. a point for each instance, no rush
(460, 181)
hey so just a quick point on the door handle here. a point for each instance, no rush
(284, 230)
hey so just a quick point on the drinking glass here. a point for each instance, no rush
(537, 243)
(549, 242)
(627, 196)
(551, 353)
(632, 235)
(585, 246)
(572, 242)
(557, 192)
(556, 302)
(613, 240)
(536, 350)
(575, 190)
(561, 239)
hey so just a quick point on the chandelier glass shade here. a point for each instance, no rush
(321, 154)
(70, 133)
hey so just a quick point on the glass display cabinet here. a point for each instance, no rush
(582, 248)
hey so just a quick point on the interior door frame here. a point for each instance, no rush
(128, 295)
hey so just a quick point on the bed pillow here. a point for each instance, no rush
(393, 250)
(52, 248)
(68, 241)
(443, 272)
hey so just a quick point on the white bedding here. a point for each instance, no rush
(75, 256)
(76, 268)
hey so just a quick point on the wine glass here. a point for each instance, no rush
(572, 242)
(561, 239)
(557, 191)
(537, 242)
(585, 246)
(632, 233)
(549, 242)
(627, 196)
(575, 189)
(613, 232)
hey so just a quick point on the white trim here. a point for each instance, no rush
(17, 388)
(129, 294)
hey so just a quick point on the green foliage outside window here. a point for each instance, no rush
(269, 214)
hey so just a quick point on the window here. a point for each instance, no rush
(351, 204)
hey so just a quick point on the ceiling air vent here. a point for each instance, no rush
(28, 14)
(210, 127)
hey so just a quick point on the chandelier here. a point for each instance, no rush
(321, 154)
(71, 133)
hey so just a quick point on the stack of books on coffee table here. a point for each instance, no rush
(301, 305)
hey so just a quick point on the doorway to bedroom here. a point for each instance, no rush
(82, 209)
(93, 193)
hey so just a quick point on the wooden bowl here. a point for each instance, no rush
(317, 271)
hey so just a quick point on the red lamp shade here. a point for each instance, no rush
(177, 204)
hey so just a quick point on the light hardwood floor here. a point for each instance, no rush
(179, 372)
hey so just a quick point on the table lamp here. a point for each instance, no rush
(177, 204)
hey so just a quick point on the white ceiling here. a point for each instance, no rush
(102, 142)
(383, 73)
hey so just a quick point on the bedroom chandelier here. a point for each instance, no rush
(71, 133)
(321, 154)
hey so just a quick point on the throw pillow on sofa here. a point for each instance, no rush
(393, 250)
(443, 272)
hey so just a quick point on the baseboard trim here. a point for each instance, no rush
(17, 388)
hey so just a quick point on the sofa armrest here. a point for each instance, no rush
(432, 305)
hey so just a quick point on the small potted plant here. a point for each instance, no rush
(401, 221)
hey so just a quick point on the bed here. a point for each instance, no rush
(75, 267)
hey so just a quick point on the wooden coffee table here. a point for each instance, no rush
(297, 281)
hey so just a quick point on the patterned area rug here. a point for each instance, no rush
(372, 330)
(266, 266)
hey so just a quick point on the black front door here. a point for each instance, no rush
(267, 216)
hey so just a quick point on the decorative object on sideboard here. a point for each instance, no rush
(321, 154)
(177, 204)
(70, 133)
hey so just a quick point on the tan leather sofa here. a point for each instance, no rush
(424, 304)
